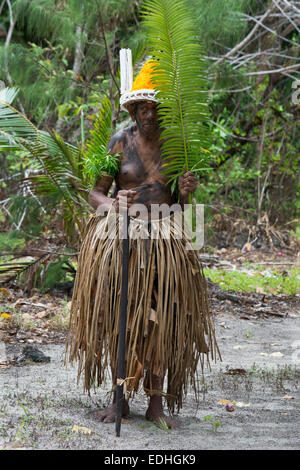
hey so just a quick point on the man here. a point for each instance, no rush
(169, 326)
(139, 179)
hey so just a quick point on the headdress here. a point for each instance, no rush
(142, 88)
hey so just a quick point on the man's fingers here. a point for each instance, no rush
(189, 174)
(189, 178)
(124, 199)
(189, 184)
(126, 193)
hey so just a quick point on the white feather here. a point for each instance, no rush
(126, 72)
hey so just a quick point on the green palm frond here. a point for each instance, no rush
(8, 94)
(14, 268)
(57, 161)
(14, 126)
(58, 178)
(97, 161)
(181, 83)
(56, 146)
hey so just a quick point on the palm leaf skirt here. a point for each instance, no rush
(169, 323)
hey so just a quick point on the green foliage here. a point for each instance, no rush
(26, 211)
(40, 73)
(59, 54)
(97, 160)
(57, 161)
(215, 423)
(42, 18)
(13, 125)
(181, 84)
(215, 20)
(10, 241)
(235, 146)
(56, 273)
(271, 282)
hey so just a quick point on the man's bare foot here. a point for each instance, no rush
(108, 415)
(160, 419)
(155, 413)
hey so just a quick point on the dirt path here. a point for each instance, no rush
(40, 404)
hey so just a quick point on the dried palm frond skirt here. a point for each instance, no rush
(169, 324)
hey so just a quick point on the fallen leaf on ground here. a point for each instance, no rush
(4, 291)
(81, 430)
(274, 354)
(7, 316)
(223, 401)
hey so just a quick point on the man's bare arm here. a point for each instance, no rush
(98, 195)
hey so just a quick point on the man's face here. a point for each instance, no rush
(146, 117)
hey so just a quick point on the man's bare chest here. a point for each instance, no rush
(140, 166)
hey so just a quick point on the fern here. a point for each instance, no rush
(97, 161)
(180, 81)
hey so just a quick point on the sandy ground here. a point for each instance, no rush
(41, 403)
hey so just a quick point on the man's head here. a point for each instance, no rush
(144, 113)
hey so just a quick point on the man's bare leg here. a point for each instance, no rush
(155, 410)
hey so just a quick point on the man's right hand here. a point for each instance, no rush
(124, 200)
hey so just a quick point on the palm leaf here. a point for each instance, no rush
(179, 78)
(60, 178)
(57, 147)
(14, 268)
(8, 94)
(13, 125)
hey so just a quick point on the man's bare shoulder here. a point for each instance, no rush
(120, 139)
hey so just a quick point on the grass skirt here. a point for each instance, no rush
(169, 325)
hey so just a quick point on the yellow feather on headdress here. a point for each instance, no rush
(143, 79)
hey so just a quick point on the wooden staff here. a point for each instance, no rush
(121, 368)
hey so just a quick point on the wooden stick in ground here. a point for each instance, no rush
(121, 369)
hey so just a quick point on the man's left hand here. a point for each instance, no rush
(187, 183)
